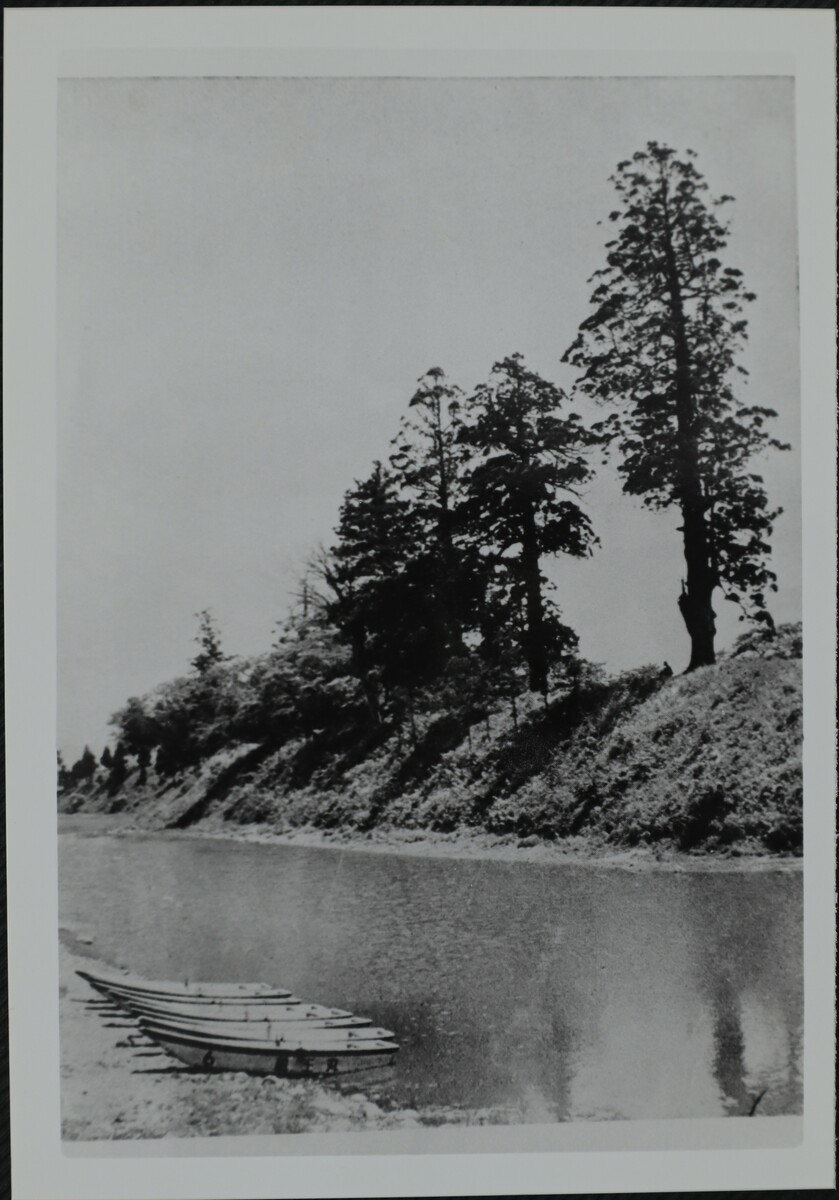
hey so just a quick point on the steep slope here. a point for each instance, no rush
(711, 759)
(705, 762)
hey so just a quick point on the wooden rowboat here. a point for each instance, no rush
(267, 1058)
(252, 1013)
(300, 1018)
(208, 1004)
(235, 993)
(349, 1029)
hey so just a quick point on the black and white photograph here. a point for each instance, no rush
(429, 609)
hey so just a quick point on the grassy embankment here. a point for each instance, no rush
(706, 763)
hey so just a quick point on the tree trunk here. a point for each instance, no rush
(537, 665)
(449, 597)
(358, 656)
(698, 589)
(448, 617)
(695, 601)
(699, 618)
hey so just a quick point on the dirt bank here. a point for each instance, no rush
(464, 845)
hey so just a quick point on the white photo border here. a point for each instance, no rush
(43, 45)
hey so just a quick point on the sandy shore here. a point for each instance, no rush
(112, 1089)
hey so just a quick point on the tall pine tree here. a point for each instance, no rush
(661, 347)
(528, 461)
(428, 462)
(379, 598)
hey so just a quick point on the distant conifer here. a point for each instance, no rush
(119, 770)
(208, 640)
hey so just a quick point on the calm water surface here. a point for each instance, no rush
(565, 992)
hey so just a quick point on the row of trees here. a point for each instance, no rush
(84, 769)
(157, 731)
(439, 552)
(443, 547)
(436, 576)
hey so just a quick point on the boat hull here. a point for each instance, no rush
(352, 1029)
(211, 993)
(294, 1061)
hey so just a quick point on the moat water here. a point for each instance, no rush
(559, 992)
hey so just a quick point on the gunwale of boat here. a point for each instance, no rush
(209, 1002)
(257, 1028)
(266, 1048)
(211, 992)
(206, 1003)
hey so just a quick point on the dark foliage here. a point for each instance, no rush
(84, 768)
(119, 771)
(528, 463)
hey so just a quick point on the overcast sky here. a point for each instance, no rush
(252, 275)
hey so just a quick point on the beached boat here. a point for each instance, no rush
(219, 993)
(318, 1057)
(246, 1027)
(349, 1029)
(252, 1013)
(208, 1004)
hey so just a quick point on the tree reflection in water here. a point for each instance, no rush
(729, 1063)
(739, 971)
